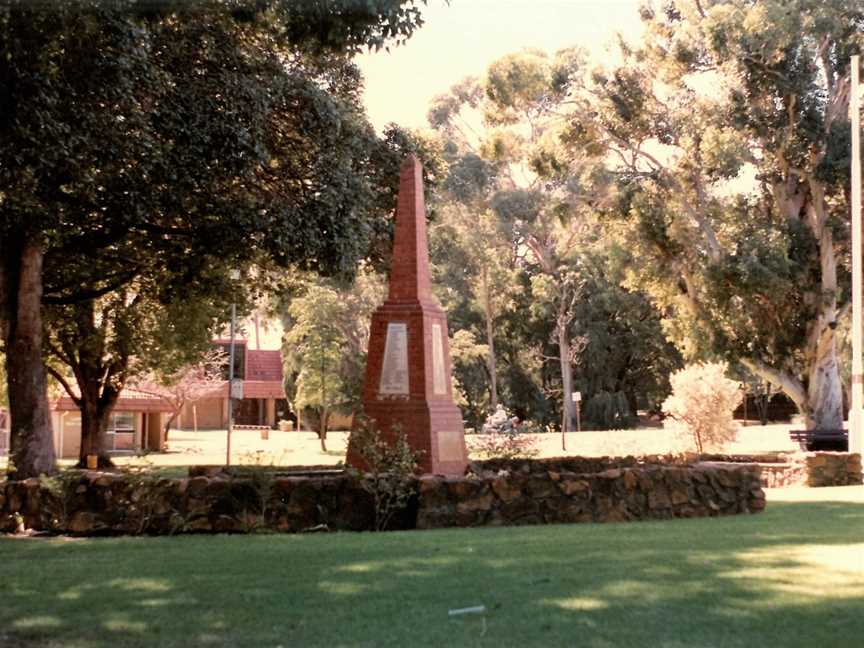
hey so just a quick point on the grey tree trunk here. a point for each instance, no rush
(824, 387)
(490, 342)
(567, 423)
(31, 442)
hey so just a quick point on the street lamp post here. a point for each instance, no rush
(235, 276)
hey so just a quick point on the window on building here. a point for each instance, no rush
(239, 359)
(121, 422)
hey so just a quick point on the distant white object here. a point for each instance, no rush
(477, 609)
(237, 389)
(234, 274)
(577, 396)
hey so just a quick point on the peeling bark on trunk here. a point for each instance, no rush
(31, 443)
(821, 400)
(824, 388)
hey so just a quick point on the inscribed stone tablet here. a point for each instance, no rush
(394, 372)
(439, 382)
(450, 445)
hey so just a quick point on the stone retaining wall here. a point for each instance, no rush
(613, 495)
(813, 469)
(94, 503)
(833, 469)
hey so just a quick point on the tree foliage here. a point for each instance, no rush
(721, 154)
(325, 345)
(186, 384)
(158, 142)
(516, 244)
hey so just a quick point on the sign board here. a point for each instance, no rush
(394, 372)
(439, 381)
(237, 389)
(577, 396)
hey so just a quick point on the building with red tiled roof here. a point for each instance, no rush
(137, 423)
(263, 402)
(138, 419)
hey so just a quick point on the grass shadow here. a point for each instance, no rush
(785, 577)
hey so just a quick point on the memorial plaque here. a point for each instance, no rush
(451, 446)
(394, 372)
(439, 381)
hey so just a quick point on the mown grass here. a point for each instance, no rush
(791, 576)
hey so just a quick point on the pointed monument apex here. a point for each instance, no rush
(409, 270)
(408, 368)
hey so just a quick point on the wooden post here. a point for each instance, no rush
(578, 416)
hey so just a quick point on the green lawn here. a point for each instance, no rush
(789, 577)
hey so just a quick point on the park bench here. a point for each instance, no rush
(821, 439)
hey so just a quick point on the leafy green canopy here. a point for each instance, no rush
(721, 158)
(149, 147)
(153, 138)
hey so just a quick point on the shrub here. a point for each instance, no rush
(702, 403)
(608, 411)
(391, 465)
(510, 444)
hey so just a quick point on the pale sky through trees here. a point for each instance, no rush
(463, 38)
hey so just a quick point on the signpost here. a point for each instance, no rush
(577, 398)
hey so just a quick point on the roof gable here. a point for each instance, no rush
(263, 365)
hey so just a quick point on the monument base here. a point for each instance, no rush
(433, 429)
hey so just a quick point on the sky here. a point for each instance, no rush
(462, 38)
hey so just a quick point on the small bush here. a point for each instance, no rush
(391, 465)
(510, 444)
(608, 411)
(702, 403)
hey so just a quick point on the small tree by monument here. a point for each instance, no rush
(390, 465)
(187, 384)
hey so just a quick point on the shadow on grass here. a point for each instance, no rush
(788, 577)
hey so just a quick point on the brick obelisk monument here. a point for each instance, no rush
(408, 366)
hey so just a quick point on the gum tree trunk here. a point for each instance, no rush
(490, 342)
(566, 374)
(32, 442)
(824, 387)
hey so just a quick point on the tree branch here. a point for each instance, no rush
(94, 293)
(790, 385)
(64, 383)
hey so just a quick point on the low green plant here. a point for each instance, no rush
(143, 493)
(508, 444)
(60, 491)
(255, 504)
(391, 467)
